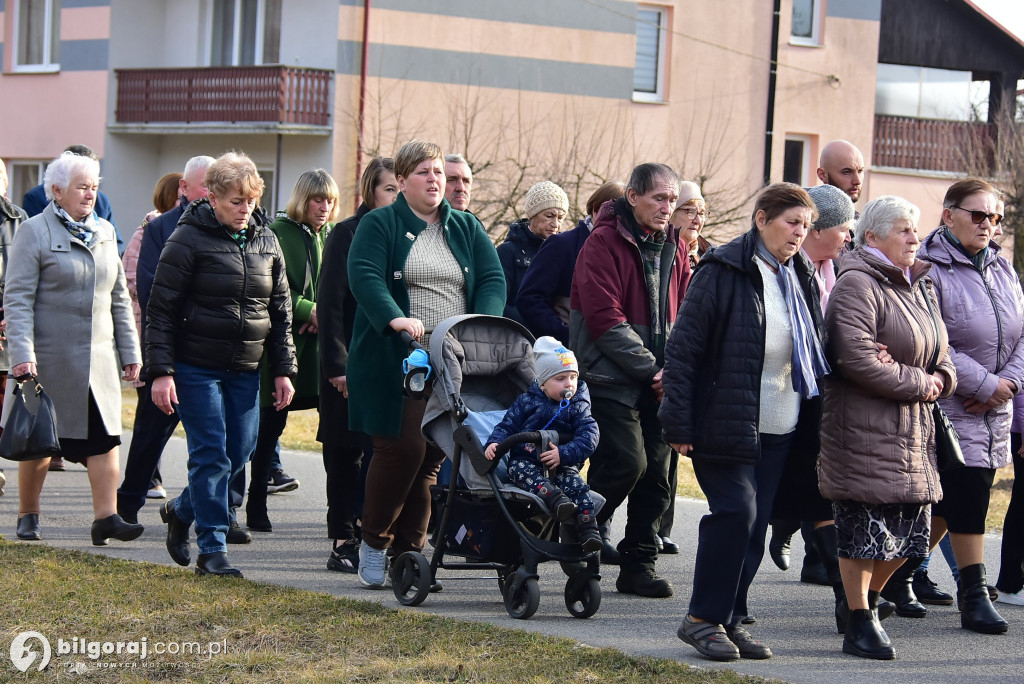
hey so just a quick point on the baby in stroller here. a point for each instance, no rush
(557, 401)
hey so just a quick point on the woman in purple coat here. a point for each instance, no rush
(982, 305)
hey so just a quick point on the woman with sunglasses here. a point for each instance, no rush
(982, 306)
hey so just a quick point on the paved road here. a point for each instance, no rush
(793, 618)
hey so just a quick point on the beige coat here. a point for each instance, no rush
(877, 435)
(68, 310)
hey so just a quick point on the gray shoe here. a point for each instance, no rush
(710, 640)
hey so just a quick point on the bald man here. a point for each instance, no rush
(842, 165)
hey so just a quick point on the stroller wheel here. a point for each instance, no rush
(582, 595)
(410, 578)
(522, 596)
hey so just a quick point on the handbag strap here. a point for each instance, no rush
(935, 324)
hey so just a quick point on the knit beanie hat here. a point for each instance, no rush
(552, 358)
(688, 191)
(545, 195)
(834, 206)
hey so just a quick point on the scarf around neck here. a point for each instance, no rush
(83, 230)
(809, 362)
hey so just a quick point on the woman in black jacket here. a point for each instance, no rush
(736, 395)
(219, 297)
(344, 450)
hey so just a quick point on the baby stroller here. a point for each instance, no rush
(479, 365)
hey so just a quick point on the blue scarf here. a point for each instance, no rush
(809, 362)
(83, 230)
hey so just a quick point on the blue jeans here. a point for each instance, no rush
(220, 413)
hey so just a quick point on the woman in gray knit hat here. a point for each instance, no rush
(546, 207)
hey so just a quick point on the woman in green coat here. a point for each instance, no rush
(301, 230)
(412, 264)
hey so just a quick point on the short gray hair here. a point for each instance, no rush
(61, 170)
(195, 164)
(456, 159)
(881, 214)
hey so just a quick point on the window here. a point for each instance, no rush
(796, 160)
(36, 35)
(23, 176)
(245, 32)
(651, 38)
(806, 28)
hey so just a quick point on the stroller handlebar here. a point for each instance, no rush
(409, 341)
(540, 438)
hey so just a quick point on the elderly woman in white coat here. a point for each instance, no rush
(69, 324)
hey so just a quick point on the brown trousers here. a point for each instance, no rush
(396, 509)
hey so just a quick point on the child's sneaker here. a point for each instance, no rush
(373, 566)
(589, 535)
(558, 503)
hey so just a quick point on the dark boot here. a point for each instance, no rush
(588, 534)
(928, 592)
(865, 637)
(114, 527)
(814, 570)
(561, 508)
(177, 534)
(779, 545)
(609, 553)
(216, 564)
(873, 603)
(978, 614)
(256, 517)
(899, 590)
(879, 606)
(828, 549)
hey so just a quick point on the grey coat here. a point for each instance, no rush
(68, 311)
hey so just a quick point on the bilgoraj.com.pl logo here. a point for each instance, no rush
(24, 650)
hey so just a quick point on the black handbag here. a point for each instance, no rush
(948, 455)
(28, 436)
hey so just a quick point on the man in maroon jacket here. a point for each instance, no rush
(630, 278)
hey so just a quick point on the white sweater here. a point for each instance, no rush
(780, 403)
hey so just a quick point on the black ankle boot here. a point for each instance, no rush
(865, 637)
(899, 590)
(177, 534)
(828, 551)
(256, 517)
(588, 534)
(562, 509)
(882, 608)
(977, 613)
(609, 554)
(114, 526)
(216, 564)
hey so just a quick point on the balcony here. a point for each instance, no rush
(932, 145)
(250, 99)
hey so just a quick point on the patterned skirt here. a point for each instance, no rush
(882, 531)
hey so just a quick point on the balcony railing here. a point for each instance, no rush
(251, 94)
(932, 145)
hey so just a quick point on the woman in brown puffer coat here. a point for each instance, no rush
(877, 460)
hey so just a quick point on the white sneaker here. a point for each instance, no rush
(157, 492)
(1014, 599)
(373, 566)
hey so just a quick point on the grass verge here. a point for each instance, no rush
(276, 634)
(301, 434)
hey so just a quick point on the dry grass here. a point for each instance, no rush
(301, 434)
(276, 634)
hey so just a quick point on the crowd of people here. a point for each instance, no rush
(800, 367)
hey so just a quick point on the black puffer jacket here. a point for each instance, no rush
(515, 254)
(715, 355)
(215, 304)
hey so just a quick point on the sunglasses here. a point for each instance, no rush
(978, 217)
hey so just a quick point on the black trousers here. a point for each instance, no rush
(1011, 562)
(150, 432)
(272, 425)
(730, 543)
(632, 460)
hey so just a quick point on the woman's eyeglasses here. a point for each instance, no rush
(693, 212)
(978, 217)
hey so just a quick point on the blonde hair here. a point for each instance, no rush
(234, 170)
(315, 183)
(371, 179)
(413, 153)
